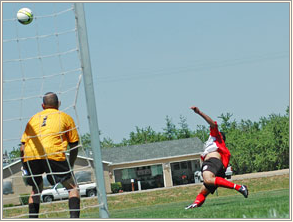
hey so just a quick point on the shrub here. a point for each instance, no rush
(23, 198)
(115, 187)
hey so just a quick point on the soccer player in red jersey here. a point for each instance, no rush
(215, 159)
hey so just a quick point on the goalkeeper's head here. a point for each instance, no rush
(50, 100)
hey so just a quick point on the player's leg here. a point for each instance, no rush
(200, 198)
(208, 177)
(34, 201)
(67, 180)
(34, 170)
(222, 182)
(214, 175)
(74, 197)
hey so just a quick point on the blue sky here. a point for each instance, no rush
(152, 60)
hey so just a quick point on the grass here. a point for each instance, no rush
(269, 204)
(268, 198)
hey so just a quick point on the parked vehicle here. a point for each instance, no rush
(7, 187)
(229, 172)
(59, 192)
(198, 175)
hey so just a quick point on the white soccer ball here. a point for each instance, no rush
(25, 16)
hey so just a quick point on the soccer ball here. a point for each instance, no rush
(25, 16)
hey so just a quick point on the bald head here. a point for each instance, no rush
(50, 100)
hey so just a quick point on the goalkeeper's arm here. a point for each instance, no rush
(73, 153)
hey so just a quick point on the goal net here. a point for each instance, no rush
(37, 58)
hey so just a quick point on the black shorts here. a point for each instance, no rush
(56, 171)
(215, 166)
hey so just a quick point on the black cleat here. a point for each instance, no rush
(194, 205)
(244, 191)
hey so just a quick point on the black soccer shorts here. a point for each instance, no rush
(57, 171)
(215, 166)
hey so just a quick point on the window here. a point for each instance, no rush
(183, 165)
(183, 172)
(176, 166)
(148, 176)
(59, 186)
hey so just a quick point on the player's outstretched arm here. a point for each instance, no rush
(203, 115)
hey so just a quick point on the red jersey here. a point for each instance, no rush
(216, 143)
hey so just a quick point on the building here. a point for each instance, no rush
(153, 165)
(138, 167)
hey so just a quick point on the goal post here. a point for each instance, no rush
(91, 107)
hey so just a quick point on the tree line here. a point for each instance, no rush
(255, 146)
(148, 135)
(258, 146)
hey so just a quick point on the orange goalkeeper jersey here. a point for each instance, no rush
(47, 134)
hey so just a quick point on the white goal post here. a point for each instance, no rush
(91, 107)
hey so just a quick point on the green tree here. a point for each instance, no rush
(202, 132)
(170, 131)
(226, 122)
(274, 142)
(184, 131)
(107, 143)
(259, 146)
(15, 153)
(86, 141)
(143, 136)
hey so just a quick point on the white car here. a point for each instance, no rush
(229, 172)
(59, 192)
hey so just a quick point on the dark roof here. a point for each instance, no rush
(151, 151)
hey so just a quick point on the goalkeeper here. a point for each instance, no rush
(215, 158)
(43, 147)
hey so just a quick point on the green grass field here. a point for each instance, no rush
(268, 198)
(270, 204)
